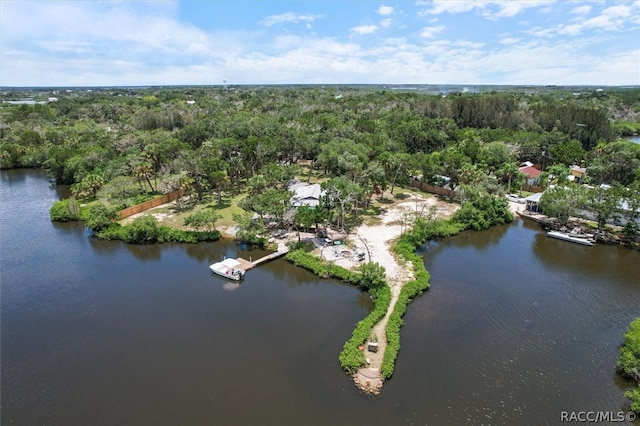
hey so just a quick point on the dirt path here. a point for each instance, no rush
(378, 240)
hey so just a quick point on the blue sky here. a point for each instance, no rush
(103, 43)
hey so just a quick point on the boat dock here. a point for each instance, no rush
(247, 265)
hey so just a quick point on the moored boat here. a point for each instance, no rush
(228, 268)
(584, 239)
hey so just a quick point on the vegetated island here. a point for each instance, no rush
(228, 158)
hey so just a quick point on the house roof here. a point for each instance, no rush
(578, 169)
(306, 194)
(530, 171)
(534, 198)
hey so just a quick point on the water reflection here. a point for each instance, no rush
(575, 258)
(231, 286)
(149, 252)
(17, 176)
(73, 229)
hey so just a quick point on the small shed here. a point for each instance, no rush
(577, 173)
(532, 202)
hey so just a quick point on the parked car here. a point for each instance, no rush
(515, 198)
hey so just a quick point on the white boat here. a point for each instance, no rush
(228, 268)
(584, 239)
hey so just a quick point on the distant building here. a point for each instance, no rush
(577, 173)
(532, 174)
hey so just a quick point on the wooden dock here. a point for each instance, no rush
(247, 265)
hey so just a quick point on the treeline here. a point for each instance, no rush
(116, 145)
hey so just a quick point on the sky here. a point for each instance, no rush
(137, 43)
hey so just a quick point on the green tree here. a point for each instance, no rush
(100, 217)
(65, 210)
(373, 276)
(557, 174)
(495, 154)
(481, 210)
(249, 231)
(604, 202)
(205, 218)
(560, 203)
(340, 194)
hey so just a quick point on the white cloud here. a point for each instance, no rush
(448, 6)
(508, 40)
(490, 9)
(364, 29)
(385, 10)
(430, 32)
(581, 10)
(288, 18)
(141, 43)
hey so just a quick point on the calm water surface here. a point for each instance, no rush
(516, 328)
(635, 139)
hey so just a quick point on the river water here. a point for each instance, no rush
(634, 139)
(515, 328)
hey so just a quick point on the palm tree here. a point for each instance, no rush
(143, 171)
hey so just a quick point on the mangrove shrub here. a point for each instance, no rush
(65, 210)
(629, 362)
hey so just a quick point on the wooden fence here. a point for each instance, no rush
(532, 188)
(130, 211)
(445, 192)
(450, 193)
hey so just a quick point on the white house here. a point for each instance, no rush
(305, 194)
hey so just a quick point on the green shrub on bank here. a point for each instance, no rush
(629, 362)
(65, 210)
(322, 268)
(352, 358)
(480, 210)
(147, 230)
(405, 247)
(99, 217)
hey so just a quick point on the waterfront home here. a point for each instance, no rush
(532, 174)
(305, 194)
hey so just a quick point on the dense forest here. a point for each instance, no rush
(120, 145)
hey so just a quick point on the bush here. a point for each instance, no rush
(483, 210)
(352, 358)
(65, 210)
(629, 362)
(146, 231)
(142, 230)
(634, 396)
(100, 217)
